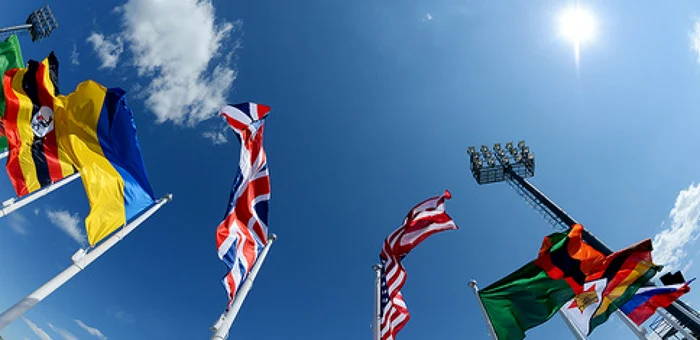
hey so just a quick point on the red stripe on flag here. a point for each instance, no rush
(14, 170)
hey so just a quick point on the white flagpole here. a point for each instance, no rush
(676, 325)
(574, 330)
(223, 324)
(638, 331)
(80, 261)
(492, 332)
(4, 154)
(13, 204)
(376, 327)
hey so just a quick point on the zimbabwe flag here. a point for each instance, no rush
(567, 270)
(35, 161)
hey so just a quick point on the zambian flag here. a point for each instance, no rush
(10, 57)
(567, 269)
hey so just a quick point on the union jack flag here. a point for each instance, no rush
(427, 218)
(243, 233)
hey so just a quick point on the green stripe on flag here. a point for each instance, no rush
(522, 300)
(10, 57)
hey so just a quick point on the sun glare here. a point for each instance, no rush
(577, 25)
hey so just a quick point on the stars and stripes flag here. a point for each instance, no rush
(425, 219)
(243, 233)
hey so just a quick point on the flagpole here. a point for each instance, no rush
(638, 331)
(574, 330)
(225, 321)
(4, 153)
(13, 204)
(80, 261)
(492, 332)
(376, 328)
(676, 325)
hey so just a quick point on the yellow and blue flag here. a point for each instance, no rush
(99, 136)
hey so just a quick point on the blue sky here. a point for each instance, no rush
(374, 104)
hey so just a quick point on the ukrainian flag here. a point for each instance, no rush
(99, 136)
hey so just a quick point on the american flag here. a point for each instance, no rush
(243, 233)
(425, 219)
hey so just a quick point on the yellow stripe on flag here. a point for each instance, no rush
(26, 134)
(640, 269)
(77, 117)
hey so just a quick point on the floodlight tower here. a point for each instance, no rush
(39, 25)
(513, 164)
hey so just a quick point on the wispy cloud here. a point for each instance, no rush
(18, 223)
(695, 39)
(66, 335)
(74, 55)
(216, 137)
(183, 52)
(427, 17)
(108, 49)
(69, 224)
(671, 245)
(120, 315)
(92, 330)
(37, 330)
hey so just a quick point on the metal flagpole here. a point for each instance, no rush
(676, 325)
(80, 261)
(492, 332)
(223, 324)
(376, 327)
(4, 154)
(13, 204)
(638, 331)
(574, 330)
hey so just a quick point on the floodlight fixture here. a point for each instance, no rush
(39, 25)
(501, 163)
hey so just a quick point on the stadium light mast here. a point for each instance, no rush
(39, 25)
(513, 164)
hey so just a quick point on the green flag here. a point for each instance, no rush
(10, 57)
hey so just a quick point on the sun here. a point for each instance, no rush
(577, 25)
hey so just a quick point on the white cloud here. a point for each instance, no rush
(69, 224)
(74, 55)
(175, 42)
(92, 330)
(66, 335)
(37, 330)
(36, 211)
(108, 50)
(216, 137)
(18, 223)
(427, 17)
(672, 244)
(695, 39)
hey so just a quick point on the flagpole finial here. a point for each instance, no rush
(271, 237)
(168, 197)
(377, 267)
(472, 283)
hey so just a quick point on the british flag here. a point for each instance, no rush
(243, 233)
(425, 219)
